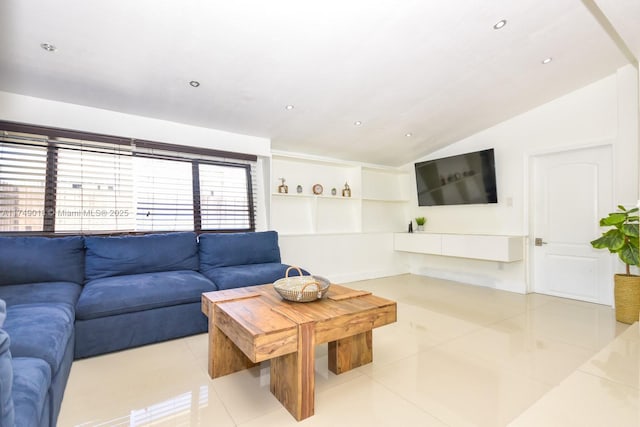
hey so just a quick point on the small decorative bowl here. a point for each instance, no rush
(301, 288)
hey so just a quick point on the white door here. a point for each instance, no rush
(571, 191)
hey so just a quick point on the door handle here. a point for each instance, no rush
(539, 241)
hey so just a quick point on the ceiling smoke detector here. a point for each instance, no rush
(48, 47)
(500, 24)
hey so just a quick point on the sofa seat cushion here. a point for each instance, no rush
(125, 294)
(228, 249)
(50, 292)
(248, 275)
(31, 382)
(125, 255)
(41, 259)
(40, 330)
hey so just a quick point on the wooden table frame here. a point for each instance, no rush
(253, 324)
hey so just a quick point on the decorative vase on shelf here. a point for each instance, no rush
(420, 221)
(282, 188)
(346, 192)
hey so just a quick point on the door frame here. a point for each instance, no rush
(531, 156)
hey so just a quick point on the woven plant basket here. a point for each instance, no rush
(626, 293)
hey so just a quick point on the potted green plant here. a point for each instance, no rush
(622, 239)
(420, 221)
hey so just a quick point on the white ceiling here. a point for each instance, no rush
(435, 69)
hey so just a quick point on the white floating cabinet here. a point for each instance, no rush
(475, 246)
(418, 242)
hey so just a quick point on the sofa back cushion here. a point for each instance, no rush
(7, 412)
(41, 259)
(224, 250)
(122, 255)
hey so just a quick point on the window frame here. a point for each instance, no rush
(182, 153)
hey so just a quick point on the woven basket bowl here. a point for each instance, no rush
(301, 288)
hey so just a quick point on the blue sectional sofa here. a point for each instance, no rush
(72, 297)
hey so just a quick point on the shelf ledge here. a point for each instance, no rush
(314, 196)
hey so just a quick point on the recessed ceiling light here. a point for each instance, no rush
(408, 134)
(289, 107)
(500, 24)
(547, 60)
(357, 123)
(48, 47)
(194, 83)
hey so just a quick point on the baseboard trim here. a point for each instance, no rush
(471, 279)
(365, 275)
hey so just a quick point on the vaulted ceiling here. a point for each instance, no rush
(377, 81)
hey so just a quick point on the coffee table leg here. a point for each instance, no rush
(224, 357)
(293, 376)
(351, 352)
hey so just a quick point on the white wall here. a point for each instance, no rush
(344, 257)
(43, 112)
(605, 112)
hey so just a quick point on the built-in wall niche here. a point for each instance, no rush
(292, 214)
(307, 173)
(378, 202)
(385, 185)
(337, 215)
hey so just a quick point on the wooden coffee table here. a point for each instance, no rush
(253, 324)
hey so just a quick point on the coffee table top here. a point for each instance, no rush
(340, 300)
(260, 315)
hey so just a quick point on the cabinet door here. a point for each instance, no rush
(423, 243)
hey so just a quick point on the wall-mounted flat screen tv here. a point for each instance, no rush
(457, 180)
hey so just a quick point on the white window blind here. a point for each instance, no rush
(23, 164)
(94, 187)
(164, 194)
(224, 200)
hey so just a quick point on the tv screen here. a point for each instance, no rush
(457, 180)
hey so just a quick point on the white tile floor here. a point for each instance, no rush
(459, 355)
